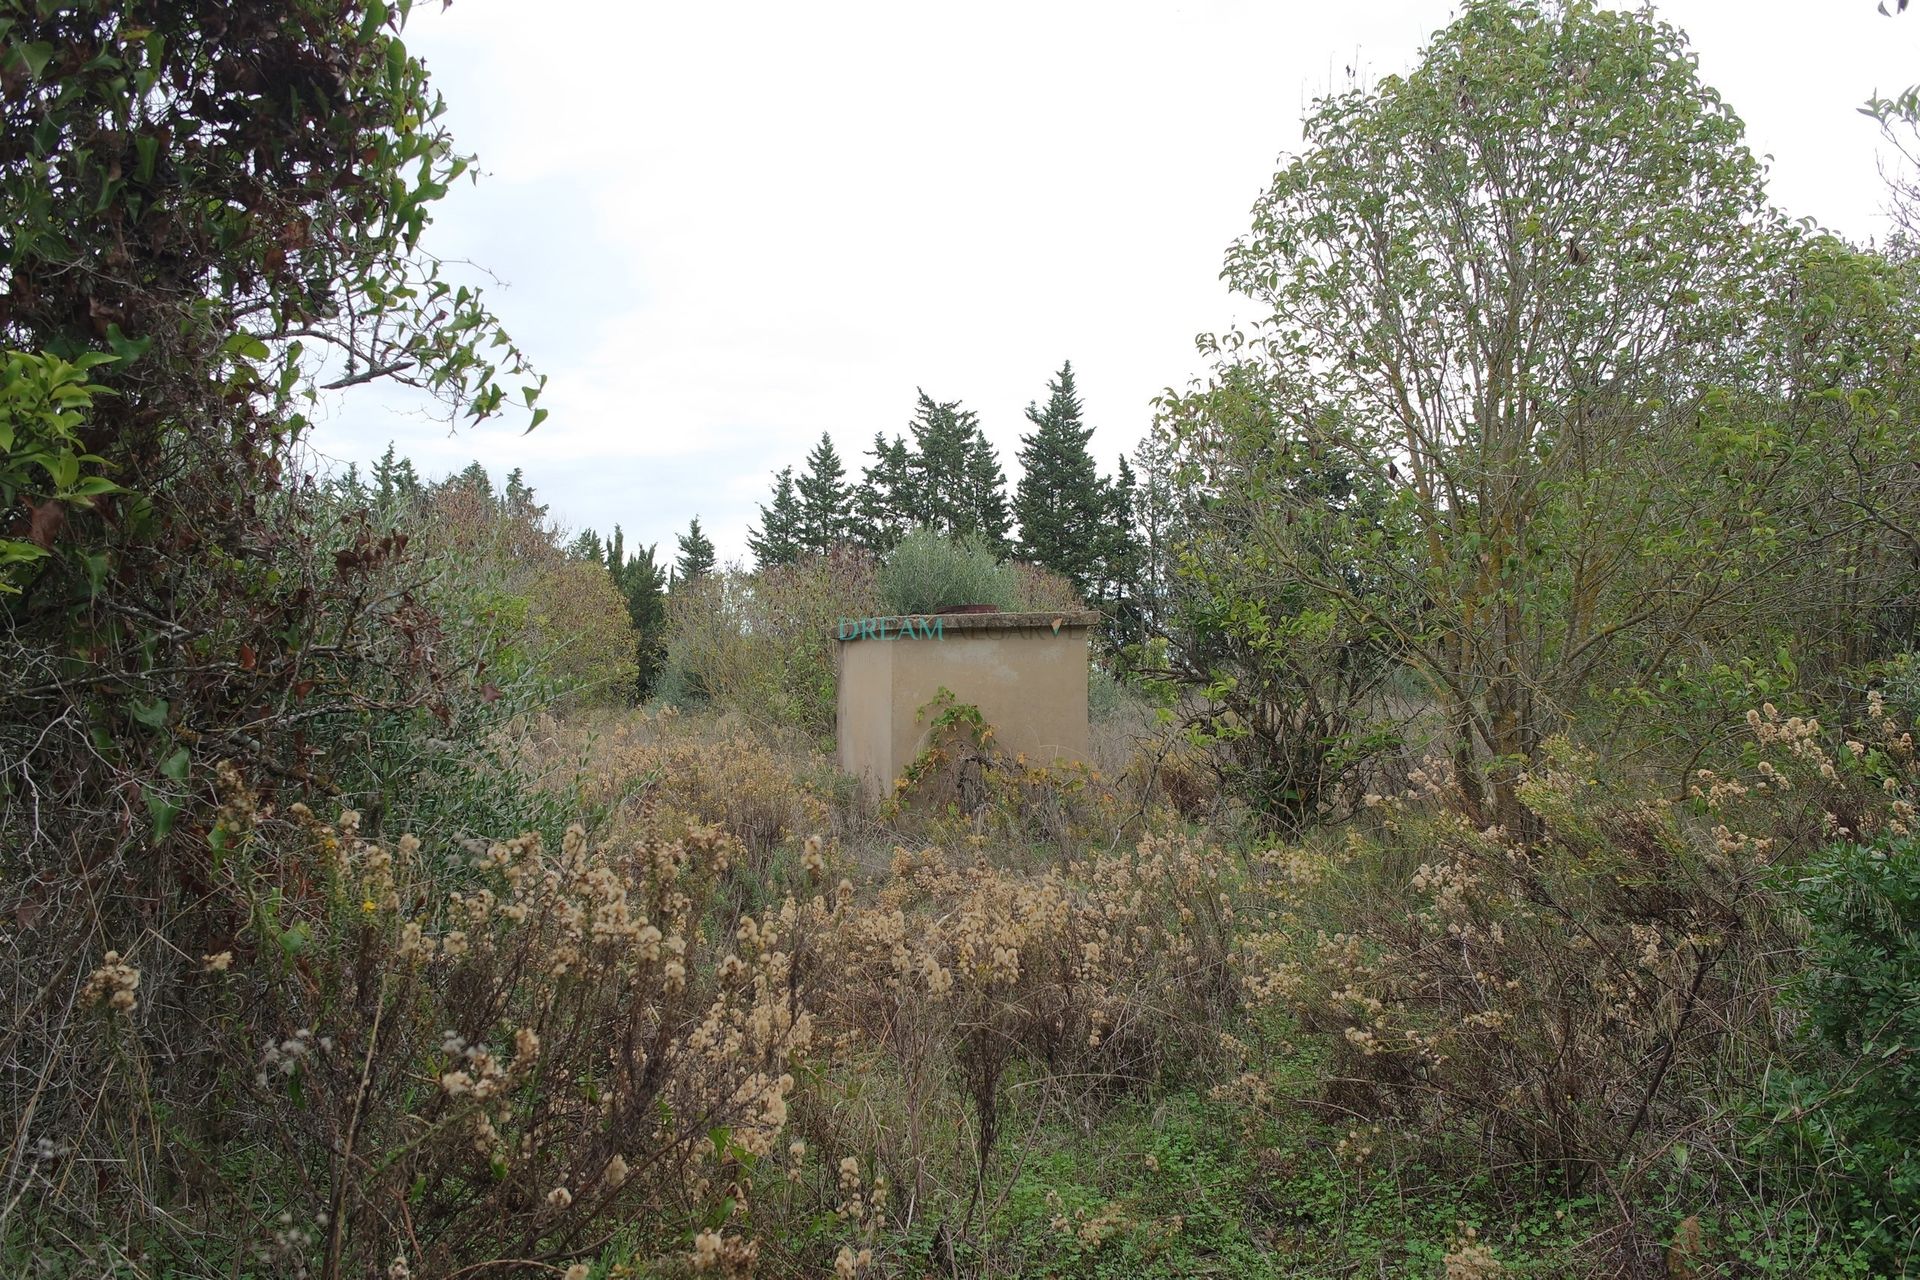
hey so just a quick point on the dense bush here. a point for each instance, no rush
(929, 571)
(761, 645)
(374, 1068)
(1858, 1115)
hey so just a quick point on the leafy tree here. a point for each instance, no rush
(696, 554)
(212, 213)
(825, 498)
(1065, 513)
(782, 532)
(1502, 289)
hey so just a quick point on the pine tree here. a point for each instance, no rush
(957, 484)
(518, 497)
(643, 582)
(696, 554)
(824, 499)
(350, 487)
(942, 439)
(475, 476)
(394, 479)
(1122, 560)
(885, 499)
(779, 539)
(1063, 508)
(586, 546)
(1160, 528)
(985, 511)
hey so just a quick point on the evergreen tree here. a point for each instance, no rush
(985, 511)
(350, 487)
(824, 499)
(696, 554)
(1122, 559)
(474, 477)
(519, 496)
(1063, 508)
(942, 438)
(642, 580)
(586, 546)
(886, 496)
(780, 537)
(394, 479)
(957, 485)
(1159, 526)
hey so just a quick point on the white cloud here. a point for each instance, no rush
(730, 227)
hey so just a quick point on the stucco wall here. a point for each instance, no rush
(1027, 672)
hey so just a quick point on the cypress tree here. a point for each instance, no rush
(1063, 508)
(696, 554)
(824, 497)
(643, 581)
(779, 538)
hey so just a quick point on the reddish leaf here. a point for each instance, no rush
(246, 657)
(43, 525)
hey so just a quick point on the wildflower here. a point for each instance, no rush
(114, 981)
(617, 1171)
(706, 1250)
(216, 963)
(559, 1198)
(578, 1271)
(526, 1048)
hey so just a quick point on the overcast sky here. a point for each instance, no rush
(722, 229)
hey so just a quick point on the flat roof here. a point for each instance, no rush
(912, 623)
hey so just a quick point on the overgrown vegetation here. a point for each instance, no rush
(1498, 854)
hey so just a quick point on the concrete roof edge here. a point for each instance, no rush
(1065, 619)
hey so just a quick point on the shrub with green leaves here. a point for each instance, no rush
(928, 572)
(1860, 1115)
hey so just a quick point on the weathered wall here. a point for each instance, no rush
(1027, 672)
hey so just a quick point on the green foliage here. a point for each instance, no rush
(696, 555)
(762, 644)
(1063, 509)
(884, 501)
(930, 571)
(826, 517)
(44, 466)
(1859, 1117)
(949, 480)
(778, 539)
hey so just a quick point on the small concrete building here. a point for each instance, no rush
(1027, 672)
